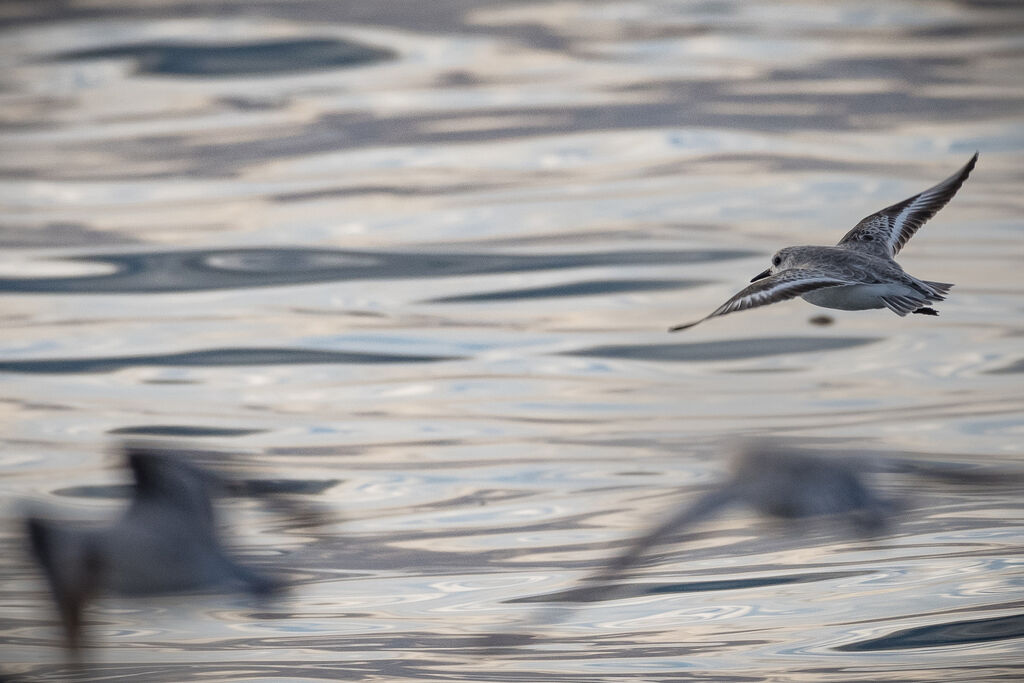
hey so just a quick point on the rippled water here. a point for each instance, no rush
(419, 259)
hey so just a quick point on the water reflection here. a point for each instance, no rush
(189, 271)
(610, 589)
(211, 358)
(939, 635)
(264, 58)
(181, 431)
(522, 183)
(589, 288)
(729, 349)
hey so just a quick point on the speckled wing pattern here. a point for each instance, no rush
(885, 232)
(783, 285)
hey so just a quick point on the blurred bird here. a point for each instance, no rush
(788, 483)
(860, 272)
(775, 481)
(165, 542)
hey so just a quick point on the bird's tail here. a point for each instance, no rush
(938, 289)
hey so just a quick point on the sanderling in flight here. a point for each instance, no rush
(166, 541)
(859, 272)
(776, 481)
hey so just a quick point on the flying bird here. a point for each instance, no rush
(860, 272)
(776, 481)
(166, 541)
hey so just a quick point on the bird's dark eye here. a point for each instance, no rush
(776, 261)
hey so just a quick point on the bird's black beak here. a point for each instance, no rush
(761, 276)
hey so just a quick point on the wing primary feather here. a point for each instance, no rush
(887, 231)
(781, 286)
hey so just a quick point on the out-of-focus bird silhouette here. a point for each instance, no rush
(166, 541)
(778, 481)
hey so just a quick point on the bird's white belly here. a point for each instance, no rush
(856, 297)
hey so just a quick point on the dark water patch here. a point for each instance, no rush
(337, 451)
(390, 190)
(403, 656)
(175, 672)
(793, 163)
(262, 58)
(972, 30)
(58, 235)
(659, 106)
(1011, 369)
(245, 103)
(764, 371)
(170, 381)
(401, 644)
(951, 472)
(244, 487)
(919, 68)
(190, 271)
(615, 591)
(183, 430)
(572, 289)
(730, 349)
(439, 17)
(106, 491)
(939, 635)
(306, 487)
(209, 358)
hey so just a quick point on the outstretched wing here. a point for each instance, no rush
(884, 233)
(783, 285)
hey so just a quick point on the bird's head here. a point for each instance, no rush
(782, 260)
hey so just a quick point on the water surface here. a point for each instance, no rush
(418, 260)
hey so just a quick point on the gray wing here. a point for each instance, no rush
(783, 285)
(885, 232)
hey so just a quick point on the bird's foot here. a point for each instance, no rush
(924, 310)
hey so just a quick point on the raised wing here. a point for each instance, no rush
(783, 285)
(885, 232)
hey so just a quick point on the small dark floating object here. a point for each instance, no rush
(265, 58)
(821, 320)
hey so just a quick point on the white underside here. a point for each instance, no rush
(860, 297)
